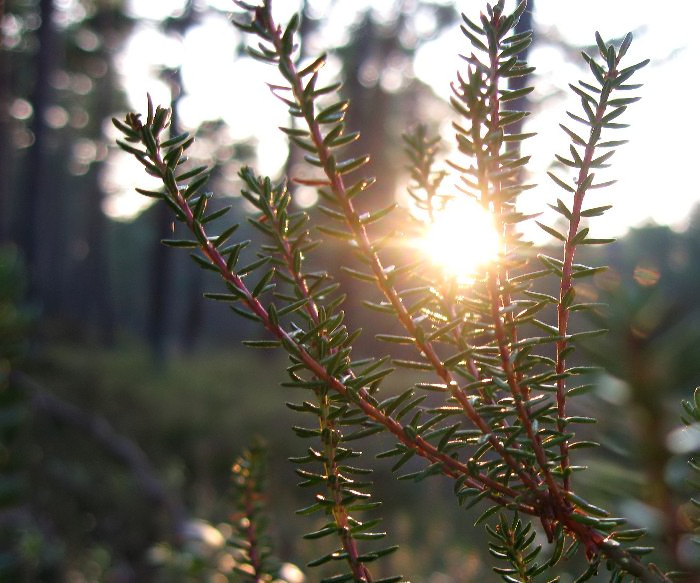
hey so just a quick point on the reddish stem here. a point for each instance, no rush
(255, 559)
(563, 312)
(356, 226)
(500, 298)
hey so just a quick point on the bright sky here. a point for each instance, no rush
(656, 170)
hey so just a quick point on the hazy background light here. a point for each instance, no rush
(146, 52)
(654, 169)
(209, 71)
(156, 9)
(654, 184)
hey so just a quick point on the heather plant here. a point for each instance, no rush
(248, 500)
(244, 548)
(489, 407)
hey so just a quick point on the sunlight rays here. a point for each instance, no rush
(461, 239)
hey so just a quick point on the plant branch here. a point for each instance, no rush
(357, 228)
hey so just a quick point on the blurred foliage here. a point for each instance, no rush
(15, 319)
(190, 421)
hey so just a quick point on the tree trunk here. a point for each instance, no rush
(158, 297)
(33, 189)
(98, 226)
(4, 137)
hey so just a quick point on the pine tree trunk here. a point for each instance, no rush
(36, 170)
(4, 136)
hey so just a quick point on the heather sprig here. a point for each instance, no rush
(501, 431)
(249, 520)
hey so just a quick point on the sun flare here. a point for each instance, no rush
(461, 239)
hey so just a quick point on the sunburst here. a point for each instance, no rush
(461, 240)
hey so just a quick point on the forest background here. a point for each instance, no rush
(132, 395)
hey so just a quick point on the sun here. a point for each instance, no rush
(461, 239)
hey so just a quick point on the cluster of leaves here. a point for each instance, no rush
(492, 415)
(512, 542)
